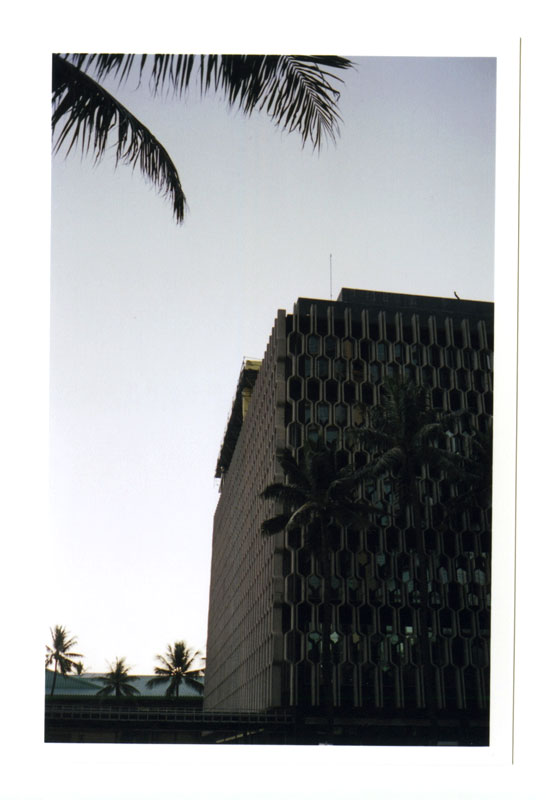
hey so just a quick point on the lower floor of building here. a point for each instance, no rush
(125, 724)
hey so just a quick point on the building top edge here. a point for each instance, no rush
(247, 377)
(405, 302)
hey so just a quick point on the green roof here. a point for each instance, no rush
(89, 685)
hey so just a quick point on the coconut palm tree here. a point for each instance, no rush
(176, 668)
(402, 436)
(316, 494)
(295, 91)
(118, 680)
(60, 653)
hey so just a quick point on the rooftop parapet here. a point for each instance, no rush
(245, 385)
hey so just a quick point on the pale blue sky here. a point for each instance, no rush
(150, 321)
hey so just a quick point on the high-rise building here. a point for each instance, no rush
(324, 363)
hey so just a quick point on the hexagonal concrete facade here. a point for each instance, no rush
(323, 361)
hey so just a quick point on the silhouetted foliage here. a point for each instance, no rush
(402, 435)
(295, 91)
(317, 493)
(177, 668)
(118, 680)
(60, 654)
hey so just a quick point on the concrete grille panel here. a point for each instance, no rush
(323, 364)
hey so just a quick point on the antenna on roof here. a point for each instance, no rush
(330, 276)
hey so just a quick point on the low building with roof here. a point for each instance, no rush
(77, 713)
(88, 684)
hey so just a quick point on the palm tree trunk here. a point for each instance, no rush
(429, 682)
(54, 679)
(327, 625)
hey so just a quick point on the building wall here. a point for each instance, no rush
(244, 630)
(264, 622)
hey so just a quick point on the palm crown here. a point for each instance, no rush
(295, 91)
(60, 652)
(177, 667)
(316, 489)
(118, 680)
(402, 436)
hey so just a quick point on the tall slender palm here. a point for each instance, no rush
(176, 668)
(316, 494)
(118, 680)
(60, 653)
(295, 91)
(402, 436)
